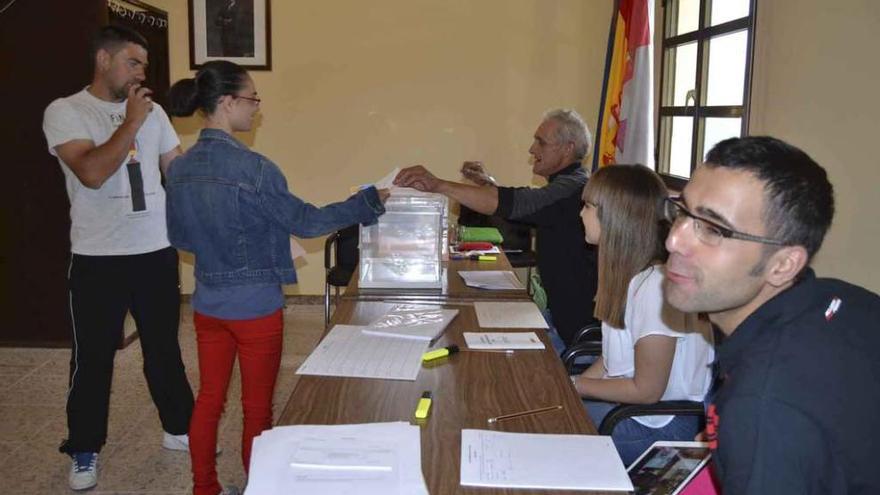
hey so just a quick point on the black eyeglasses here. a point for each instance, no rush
(255, 100)
(706, 230)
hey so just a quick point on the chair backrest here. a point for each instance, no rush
(347, 255)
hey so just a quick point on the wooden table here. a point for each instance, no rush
(468, 388)
(453, 286)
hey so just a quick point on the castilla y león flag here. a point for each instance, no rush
(626, 131)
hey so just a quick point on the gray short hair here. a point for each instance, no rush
(572, 128)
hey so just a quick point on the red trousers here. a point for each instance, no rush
(258, 345)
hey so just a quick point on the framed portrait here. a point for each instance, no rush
(234, 30)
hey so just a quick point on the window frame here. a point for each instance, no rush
(699, 110)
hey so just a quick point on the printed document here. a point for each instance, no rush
(375, 458)
(502, 340)
(347, 351)
(509, 315)
(491, 279)
(539, 461)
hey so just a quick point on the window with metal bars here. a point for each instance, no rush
(705, 79)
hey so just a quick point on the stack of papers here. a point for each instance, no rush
(491, 279)
(503, 340)
(347, 351)
(509, 315)
(537, 461)
(412, 321)
(377, 458)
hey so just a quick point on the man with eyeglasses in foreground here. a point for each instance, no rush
(800, 365)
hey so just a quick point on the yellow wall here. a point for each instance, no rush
(815, 85)
(357, 88)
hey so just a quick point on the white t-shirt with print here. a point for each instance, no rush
(108, 221)
(648, 314)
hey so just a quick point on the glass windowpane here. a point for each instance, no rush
(681, 65)
(727, 65)
(675, 145)
(728, 10)
(718, 129)
(683, 16)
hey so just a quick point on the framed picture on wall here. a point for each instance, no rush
(234, 30)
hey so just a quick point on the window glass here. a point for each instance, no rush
(727, 63)
(681, 63)
(717, 129)
(683, 17)
(675, 145)
(728, 10)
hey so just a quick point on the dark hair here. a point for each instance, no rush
(799, 199)
(215, 79)
(112, 38)
(629, 202)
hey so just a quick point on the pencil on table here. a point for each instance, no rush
(524, 413)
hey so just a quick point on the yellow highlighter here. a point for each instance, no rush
(424, 406)
(486, 257)
(439, 353)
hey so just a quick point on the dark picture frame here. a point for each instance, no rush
(233, 30)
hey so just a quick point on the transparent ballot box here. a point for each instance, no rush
(405, 248)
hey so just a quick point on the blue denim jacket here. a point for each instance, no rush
(231, 208)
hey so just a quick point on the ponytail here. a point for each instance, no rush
(213, 80)
(183, 98)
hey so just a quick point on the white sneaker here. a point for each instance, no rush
(83, 471)
(179, 442)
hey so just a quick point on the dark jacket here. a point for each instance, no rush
(800, 401)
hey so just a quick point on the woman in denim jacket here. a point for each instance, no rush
(231, 208)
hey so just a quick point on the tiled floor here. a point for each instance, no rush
(33, 386)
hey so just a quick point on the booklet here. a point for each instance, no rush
(491, 279)
(503, 340)
(509, 315)
(412, 321)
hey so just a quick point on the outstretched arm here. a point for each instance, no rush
(482, 199)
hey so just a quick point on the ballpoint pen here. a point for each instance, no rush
(500, 351)
(474, 257)
(520, 414)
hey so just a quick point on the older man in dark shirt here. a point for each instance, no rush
(566, 263)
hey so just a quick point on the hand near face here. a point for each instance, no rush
(417, 177)
(138, 105)
(474, 172)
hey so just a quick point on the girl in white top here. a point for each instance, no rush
(650, 351)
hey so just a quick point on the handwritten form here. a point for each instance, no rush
(509, 315)
(364, 459)
(538, 461)
(347, 351)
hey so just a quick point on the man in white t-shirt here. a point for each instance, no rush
(111, 141)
